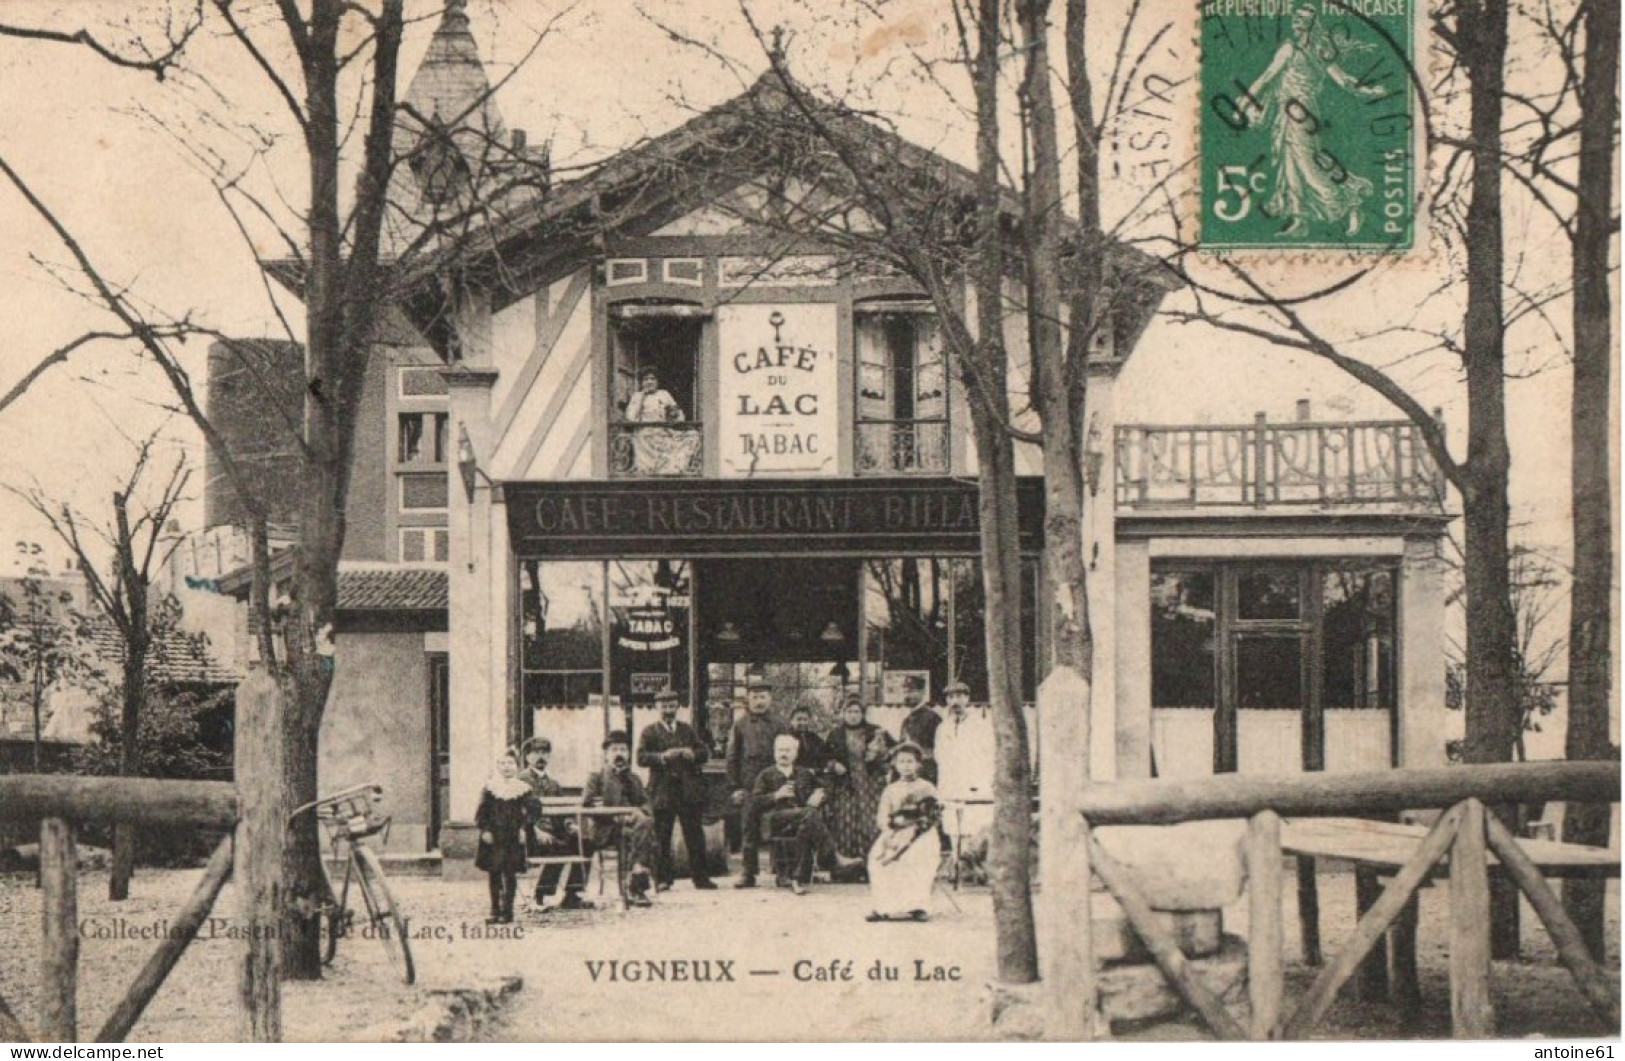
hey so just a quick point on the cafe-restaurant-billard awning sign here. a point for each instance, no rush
(779, 382)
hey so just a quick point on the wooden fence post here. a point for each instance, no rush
(59, 938)
(1264, 934)
(261, 834)
(1066, 954)
(1472, 1015)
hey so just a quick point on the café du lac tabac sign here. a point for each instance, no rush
(779, 383)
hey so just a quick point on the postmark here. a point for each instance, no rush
(1310, 126)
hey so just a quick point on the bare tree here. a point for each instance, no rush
(141, 539)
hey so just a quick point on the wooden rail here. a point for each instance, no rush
(60, 803)
(1353, 794)
(1465, 834)
(136, 800)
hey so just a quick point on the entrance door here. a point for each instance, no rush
(1263, 667)
(439, 743)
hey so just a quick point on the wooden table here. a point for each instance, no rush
(572, 807)
(1378, 849)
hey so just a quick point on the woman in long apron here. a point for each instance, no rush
(903, 860)
(858, 751)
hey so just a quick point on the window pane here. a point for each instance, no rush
(1182, 630)
(906, 609)
(561, 625)
(649, 603)
(1358, 638)
(411, 438)
(1267, 595)
(1269, 673)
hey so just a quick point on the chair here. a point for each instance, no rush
(782, 845)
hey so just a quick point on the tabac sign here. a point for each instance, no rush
(779, 381)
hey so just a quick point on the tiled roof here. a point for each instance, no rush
(404, 589)
(176, 658)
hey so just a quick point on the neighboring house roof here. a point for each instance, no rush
(176, 657)
(404, 589)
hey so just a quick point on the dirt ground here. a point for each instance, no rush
(759, 967)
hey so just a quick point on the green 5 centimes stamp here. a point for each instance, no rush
(1309, 125)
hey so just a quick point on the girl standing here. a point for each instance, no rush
(506, 812)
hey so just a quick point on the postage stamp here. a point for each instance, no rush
(1309, 123)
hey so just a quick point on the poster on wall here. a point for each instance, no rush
(906, 687)
(779, 386)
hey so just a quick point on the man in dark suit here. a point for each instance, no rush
(750, 751)
(811, 751)
(617, 786)
(673, 753)
(787, 799)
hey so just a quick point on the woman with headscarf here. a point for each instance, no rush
(903, 859)
(858, 752)
(506, 812)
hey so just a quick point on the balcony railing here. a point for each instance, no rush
(1262, 464)
(902, 447)
(656, 451)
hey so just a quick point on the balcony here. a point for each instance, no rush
(902, 447)
(1262, 464)
(674, 450)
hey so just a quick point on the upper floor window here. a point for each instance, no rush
(655, 425)
(422, 438)
(902, 379)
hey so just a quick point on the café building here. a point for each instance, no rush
(671, 450)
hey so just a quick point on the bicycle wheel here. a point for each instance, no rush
(338, 912)
(384, 915)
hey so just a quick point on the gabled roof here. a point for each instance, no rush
(531, 240)
(404, 589)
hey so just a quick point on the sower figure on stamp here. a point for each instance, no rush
(1286, 97)
(750, 751)
(555, 836)
(673, 753)
(615, 785)
(788, 801)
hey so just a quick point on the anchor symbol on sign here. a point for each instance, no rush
(776, 319)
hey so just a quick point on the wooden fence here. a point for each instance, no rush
(1464, 833)
(61, 804)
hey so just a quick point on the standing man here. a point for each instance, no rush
(750, 751)
(965, 753)
(673, 753)
(615, 785)
(788, 797)
(555, 836)
(920, 726)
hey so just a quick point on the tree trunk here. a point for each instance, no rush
(137, 646)
(304, 882)
(985, 374)
(1590, 617)
(1493, 715)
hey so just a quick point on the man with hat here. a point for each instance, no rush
(965, 757)
(750, 751)
(920, 726)
(555, 836)
(615, 785)
(673, 753)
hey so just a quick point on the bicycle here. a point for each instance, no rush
(349, 818)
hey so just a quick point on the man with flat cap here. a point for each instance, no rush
(673, 753)
(555, 836)
(920, 726)
(615, 785)
(750, 751)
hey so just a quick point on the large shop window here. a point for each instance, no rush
(902, 401)
(656, 428)
(1272, 667)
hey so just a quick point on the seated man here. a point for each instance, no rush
(787, 799)
(617, 786)
(555, 835)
